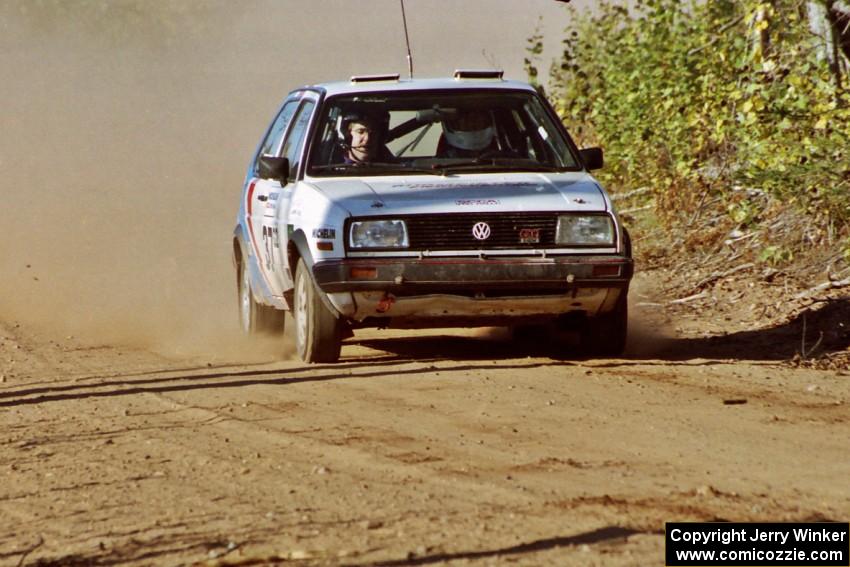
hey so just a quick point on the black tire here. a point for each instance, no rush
(255, 318)
(627, 241)
(606, 334)
(318, 334)
(530, 334)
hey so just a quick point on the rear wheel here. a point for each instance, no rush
(318, 334)
(606, 334)
(255, 318)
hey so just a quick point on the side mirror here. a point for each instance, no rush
(592, 158)
(276, 168)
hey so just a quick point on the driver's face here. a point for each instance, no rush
(363, 140)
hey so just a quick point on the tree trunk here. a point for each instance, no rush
(838, 14)
(829, 22)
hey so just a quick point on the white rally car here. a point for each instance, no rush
(450, 221)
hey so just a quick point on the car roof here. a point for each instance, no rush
(393, 85)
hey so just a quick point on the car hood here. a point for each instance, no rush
(574, 191)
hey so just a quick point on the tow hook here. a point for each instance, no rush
(386, 303)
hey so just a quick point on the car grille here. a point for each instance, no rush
(507, 230)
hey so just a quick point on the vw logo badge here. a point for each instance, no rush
(481, 231)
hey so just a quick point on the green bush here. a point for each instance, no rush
(692, 99)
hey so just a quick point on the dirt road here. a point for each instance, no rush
(419, 448)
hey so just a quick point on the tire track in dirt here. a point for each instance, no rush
(417, 448)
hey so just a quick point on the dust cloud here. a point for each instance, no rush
(651, 332)
(127, 127)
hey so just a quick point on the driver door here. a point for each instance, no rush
(276, 219)
(260, 200)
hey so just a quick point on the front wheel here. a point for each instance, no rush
(606, 334)
(255, 318)
(318, 334)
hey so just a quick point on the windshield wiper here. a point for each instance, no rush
(375, 166)
(438, 169)
(499, 163)
(352, 166)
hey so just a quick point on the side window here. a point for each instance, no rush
(294, 141)
(272, 141)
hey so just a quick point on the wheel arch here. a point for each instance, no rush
(627, 242)
(299, 249)
(238, 253)
(296, 248)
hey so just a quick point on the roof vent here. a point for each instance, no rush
(478, 74)
(373, 78)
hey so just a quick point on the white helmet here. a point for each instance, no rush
(469, 130)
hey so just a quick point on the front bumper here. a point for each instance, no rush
(474, 276)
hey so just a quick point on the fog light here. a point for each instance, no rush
(606, 271)
(364, 273)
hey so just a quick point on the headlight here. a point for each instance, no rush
(378, 234)
(580, 230)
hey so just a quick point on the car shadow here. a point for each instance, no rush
(606, 535)
(827, 330)
(814, 332)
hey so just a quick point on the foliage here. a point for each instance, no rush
(776, 255)
(534, 49)
(696, 100)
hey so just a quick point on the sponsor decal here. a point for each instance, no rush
(325, 233)
(249, 200)
(271, 243)
(529, 235)
(476, 202)
(258, 253)
(470, 185)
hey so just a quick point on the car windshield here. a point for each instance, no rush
(437, 133)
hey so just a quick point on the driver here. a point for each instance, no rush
(469, 133)
(363, 137)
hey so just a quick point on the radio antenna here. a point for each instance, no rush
(407, 40)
